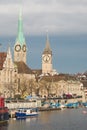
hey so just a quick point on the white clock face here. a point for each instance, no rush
(17, 47)
(46, 58)
(24, 48)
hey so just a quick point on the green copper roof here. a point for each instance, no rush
(20, 36)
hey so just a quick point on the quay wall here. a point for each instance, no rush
(72, 100)
(38, 103)
(16, 105)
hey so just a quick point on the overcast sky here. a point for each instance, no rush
(58, 16)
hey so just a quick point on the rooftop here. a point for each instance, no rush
(23, 68)
(2, 59)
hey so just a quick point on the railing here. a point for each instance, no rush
(22, 104)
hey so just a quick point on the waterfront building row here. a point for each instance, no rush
(16, 78)
(15, 71)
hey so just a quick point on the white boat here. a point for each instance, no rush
(23, 113)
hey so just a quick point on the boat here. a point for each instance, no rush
(72, 105)
(57, 105)
(84, 104)
(23, 113)
(4, 114)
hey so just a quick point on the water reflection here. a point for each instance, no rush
(3, 127)
(45, 116)
(69, 119)
(32, 119)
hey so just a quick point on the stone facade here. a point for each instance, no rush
(58, 88)
(8, 76)
(47, 59)
(12, 74)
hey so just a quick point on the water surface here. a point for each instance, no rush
(69, 119)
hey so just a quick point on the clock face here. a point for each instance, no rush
(24, 48)
(46, 58)
(17, 48)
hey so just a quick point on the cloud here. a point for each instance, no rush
(58, 16)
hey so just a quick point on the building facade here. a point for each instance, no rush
(59, 88)
(47, 59)
(8, 75)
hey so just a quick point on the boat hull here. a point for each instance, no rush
(23, 115)
(4, 115)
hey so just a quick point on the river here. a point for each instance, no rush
(68, 119)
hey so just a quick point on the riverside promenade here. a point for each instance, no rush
(13, 105)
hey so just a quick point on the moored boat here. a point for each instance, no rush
(84, 104)
(23, 113)
(4, 114)
(72, 105)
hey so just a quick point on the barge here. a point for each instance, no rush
(4, 114)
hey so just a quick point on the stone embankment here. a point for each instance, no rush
(13, 106)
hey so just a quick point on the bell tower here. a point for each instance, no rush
(20, 44)
(47, 58)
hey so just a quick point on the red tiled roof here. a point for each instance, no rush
(2, 59)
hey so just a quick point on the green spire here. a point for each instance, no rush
(47, 49)
(20, 36)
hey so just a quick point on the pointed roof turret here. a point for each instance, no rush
(47, 49)
(9, 51)
(20, 37)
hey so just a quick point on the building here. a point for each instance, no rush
(59, 85)
(8, 74)
(20, 49)
(47, 59)
(16, 77)
(13, 74)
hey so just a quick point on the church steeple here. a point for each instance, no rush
(20, 36)
(47, 49)
(47, 58)
(20, 49)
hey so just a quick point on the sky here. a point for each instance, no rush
(58, 16)
(66, 22)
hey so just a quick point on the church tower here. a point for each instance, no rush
(47, 58)
(20, 44)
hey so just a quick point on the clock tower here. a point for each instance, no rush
(47, 58)
(20, 44)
